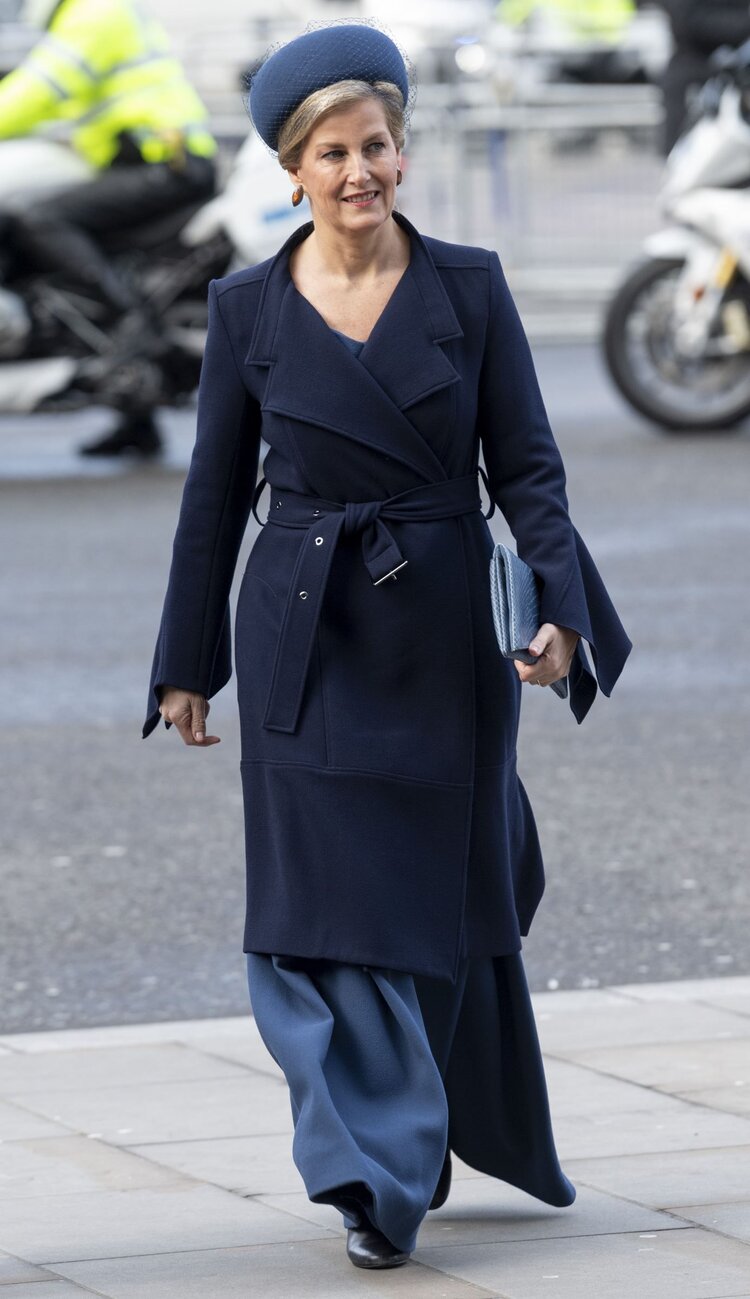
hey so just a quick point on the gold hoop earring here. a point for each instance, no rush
(297, 195)
(399, 176)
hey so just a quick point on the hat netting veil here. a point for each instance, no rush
(358, 61)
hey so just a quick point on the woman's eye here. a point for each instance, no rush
(377, 145)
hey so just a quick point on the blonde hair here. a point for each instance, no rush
(300, 122)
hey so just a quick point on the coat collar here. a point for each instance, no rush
(402, 361)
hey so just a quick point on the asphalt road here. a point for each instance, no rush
(122, 860)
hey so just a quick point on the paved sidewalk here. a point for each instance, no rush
(153, 1162)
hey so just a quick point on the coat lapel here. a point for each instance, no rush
(404, 351)
(315, 379)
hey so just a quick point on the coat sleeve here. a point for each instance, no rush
(193, 649)
(527, 481)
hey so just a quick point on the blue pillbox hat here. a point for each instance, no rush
(317, 58)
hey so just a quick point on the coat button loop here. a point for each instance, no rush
(303, 595)
(318, 541)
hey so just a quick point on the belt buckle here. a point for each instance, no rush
(392, 573)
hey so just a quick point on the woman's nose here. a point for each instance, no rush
(360, 170)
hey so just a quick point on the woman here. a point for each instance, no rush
(392, 860)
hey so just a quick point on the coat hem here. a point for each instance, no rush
(433, 970)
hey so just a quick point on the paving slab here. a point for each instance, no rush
(248, 1165)
(568, 1033)
(109, 1066)
(579, 1001)
(482, 1210)
(297, 1204)
(574, 1088)
(675, 1066)
(64, 1165)
(737, 1002)
(686, 989)
(234, 1039)
(668, 1265)
(46, 1288)
(172, 1218)
(17, 1123)
(248, 1050)
(671, 1177)
(733, 1100)
(162, 1032)
(678, 1125)
(308, 1270)
(212, 1107)
(14, 1271)
(731, 1219)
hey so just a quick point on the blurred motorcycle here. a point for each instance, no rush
(57, 348)
(677, 331)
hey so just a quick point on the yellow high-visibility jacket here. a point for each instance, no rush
(106, 68)
(594, 20)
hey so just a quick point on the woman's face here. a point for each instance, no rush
(348, 168)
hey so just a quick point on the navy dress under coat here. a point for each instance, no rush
(385, 821)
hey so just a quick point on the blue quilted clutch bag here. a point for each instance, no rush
(515, 609)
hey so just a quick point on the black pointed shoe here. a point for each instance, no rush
(444, 1183)
(367, 1247)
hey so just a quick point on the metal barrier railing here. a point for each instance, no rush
(568, 181)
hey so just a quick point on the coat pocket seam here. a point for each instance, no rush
(375, 774)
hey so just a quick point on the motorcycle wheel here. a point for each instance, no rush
(682, 394)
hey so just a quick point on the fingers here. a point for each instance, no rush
(530, 673)
(199, 712)
(543, 639)
(198, 720)
(536, 674)
(188, 712)
(547, 646)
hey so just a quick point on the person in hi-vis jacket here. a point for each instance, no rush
(105, 70)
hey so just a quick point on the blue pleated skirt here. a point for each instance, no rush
(387, 1070)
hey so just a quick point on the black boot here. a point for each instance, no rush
(444, 1183)
(367, 1247)
(134, 435)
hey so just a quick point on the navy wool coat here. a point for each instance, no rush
(385, 822)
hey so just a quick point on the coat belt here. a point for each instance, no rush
(324, 522)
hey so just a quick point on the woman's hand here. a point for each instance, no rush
(555, 647)
(188, 712)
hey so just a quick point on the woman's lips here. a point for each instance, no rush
(362, 200)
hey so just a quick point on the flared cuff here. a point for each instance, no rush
(583, 604)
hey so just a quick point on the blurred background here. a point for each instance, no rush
(537, 133)
(603, 149)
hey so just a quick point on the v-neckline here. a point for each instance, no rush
(347, 338)
(365, 342)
